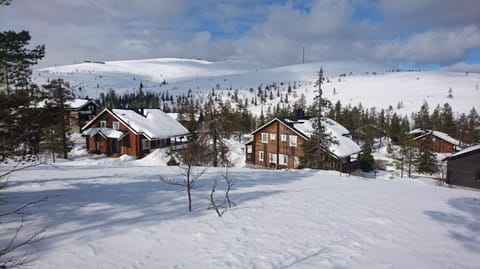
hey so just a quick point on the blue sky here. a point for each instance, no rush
(409, 33)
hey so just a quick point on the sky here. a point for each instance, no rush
(426, 34)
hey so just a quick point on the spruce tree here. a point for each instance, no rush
(426, 162)
(316, 148)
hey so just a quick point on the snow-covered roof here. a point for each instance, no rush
(464, 151)
(416, 131)
(154, 123)
(446, 137)
(107, 132)
(344, 146)
(438, 134)
(73, 104)
(76, 103)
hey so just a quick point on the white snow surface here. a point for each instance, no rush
(363, 83)
(112, 215)
(154, 123)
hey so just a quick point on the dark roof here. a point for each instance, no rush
(464, 153)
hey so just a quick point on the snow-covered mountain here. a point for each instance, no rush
(349, 82)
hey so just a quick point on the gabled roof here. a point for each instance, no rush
(438, 134)
(79, 103)
(105, 132)
(344, 146)
(152, 123)
(464, 153)
(281, 122)
(304, 128)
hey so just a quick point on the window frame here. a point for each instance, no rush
(261, 155)
(272, 158)
(116, 123)
(264, 138)
(145, 142)
(103, 124)
(273, 136)
(283, 159)
(296, 161)
(283, 137)
(291, 139)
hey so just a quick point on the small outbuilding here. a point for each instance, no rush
(463, 167)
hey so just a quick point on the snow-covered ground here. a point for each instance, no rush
(117, 213)
(364, 83)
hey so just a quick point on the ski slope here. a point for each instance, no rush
(364, 83)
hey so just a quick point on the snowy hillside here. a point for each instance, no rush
(363, 83)
(107, 215)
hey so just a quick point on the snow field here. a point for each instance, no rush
(114, 216)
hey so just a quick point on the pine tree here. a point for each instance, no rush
(426, 162)
(57, 132)
(16, 60)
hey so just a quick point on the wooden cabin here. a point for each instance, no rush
(278, 145)
(463, 167)
(80, 112)
(133, 132)
(442, 142)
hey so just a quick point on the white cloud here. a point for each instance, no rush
(424, 32)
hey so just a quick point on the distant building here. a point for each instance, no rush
(463, 167)
(278, 144)
(134, 132)
(81, 111)
(442, 142)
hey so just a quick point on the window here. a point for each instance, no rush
(145, 144)
(293, 141)
(433, 139)
(91, 107)
(103, 124)
(283, 159)
(261, 154)
(264, 138)
(283, 138)
(272, 136)
(116, 125)
(272, 157)
(296, 161)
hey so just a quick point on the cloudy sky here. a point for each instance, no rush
(406, 33)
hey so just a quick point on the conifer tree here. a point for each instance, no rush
(16, 60)
(425, 161)
(316, 148)
(57, 131)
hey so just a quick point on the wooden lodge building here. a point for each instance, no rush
(463, 167)
(278, 145)
(81, 111)
(134, 132)
(442, 142)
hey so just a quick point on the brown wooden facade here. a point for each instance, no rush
(277, 145)
(130, 143)
(439, 145)
(463, 169)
